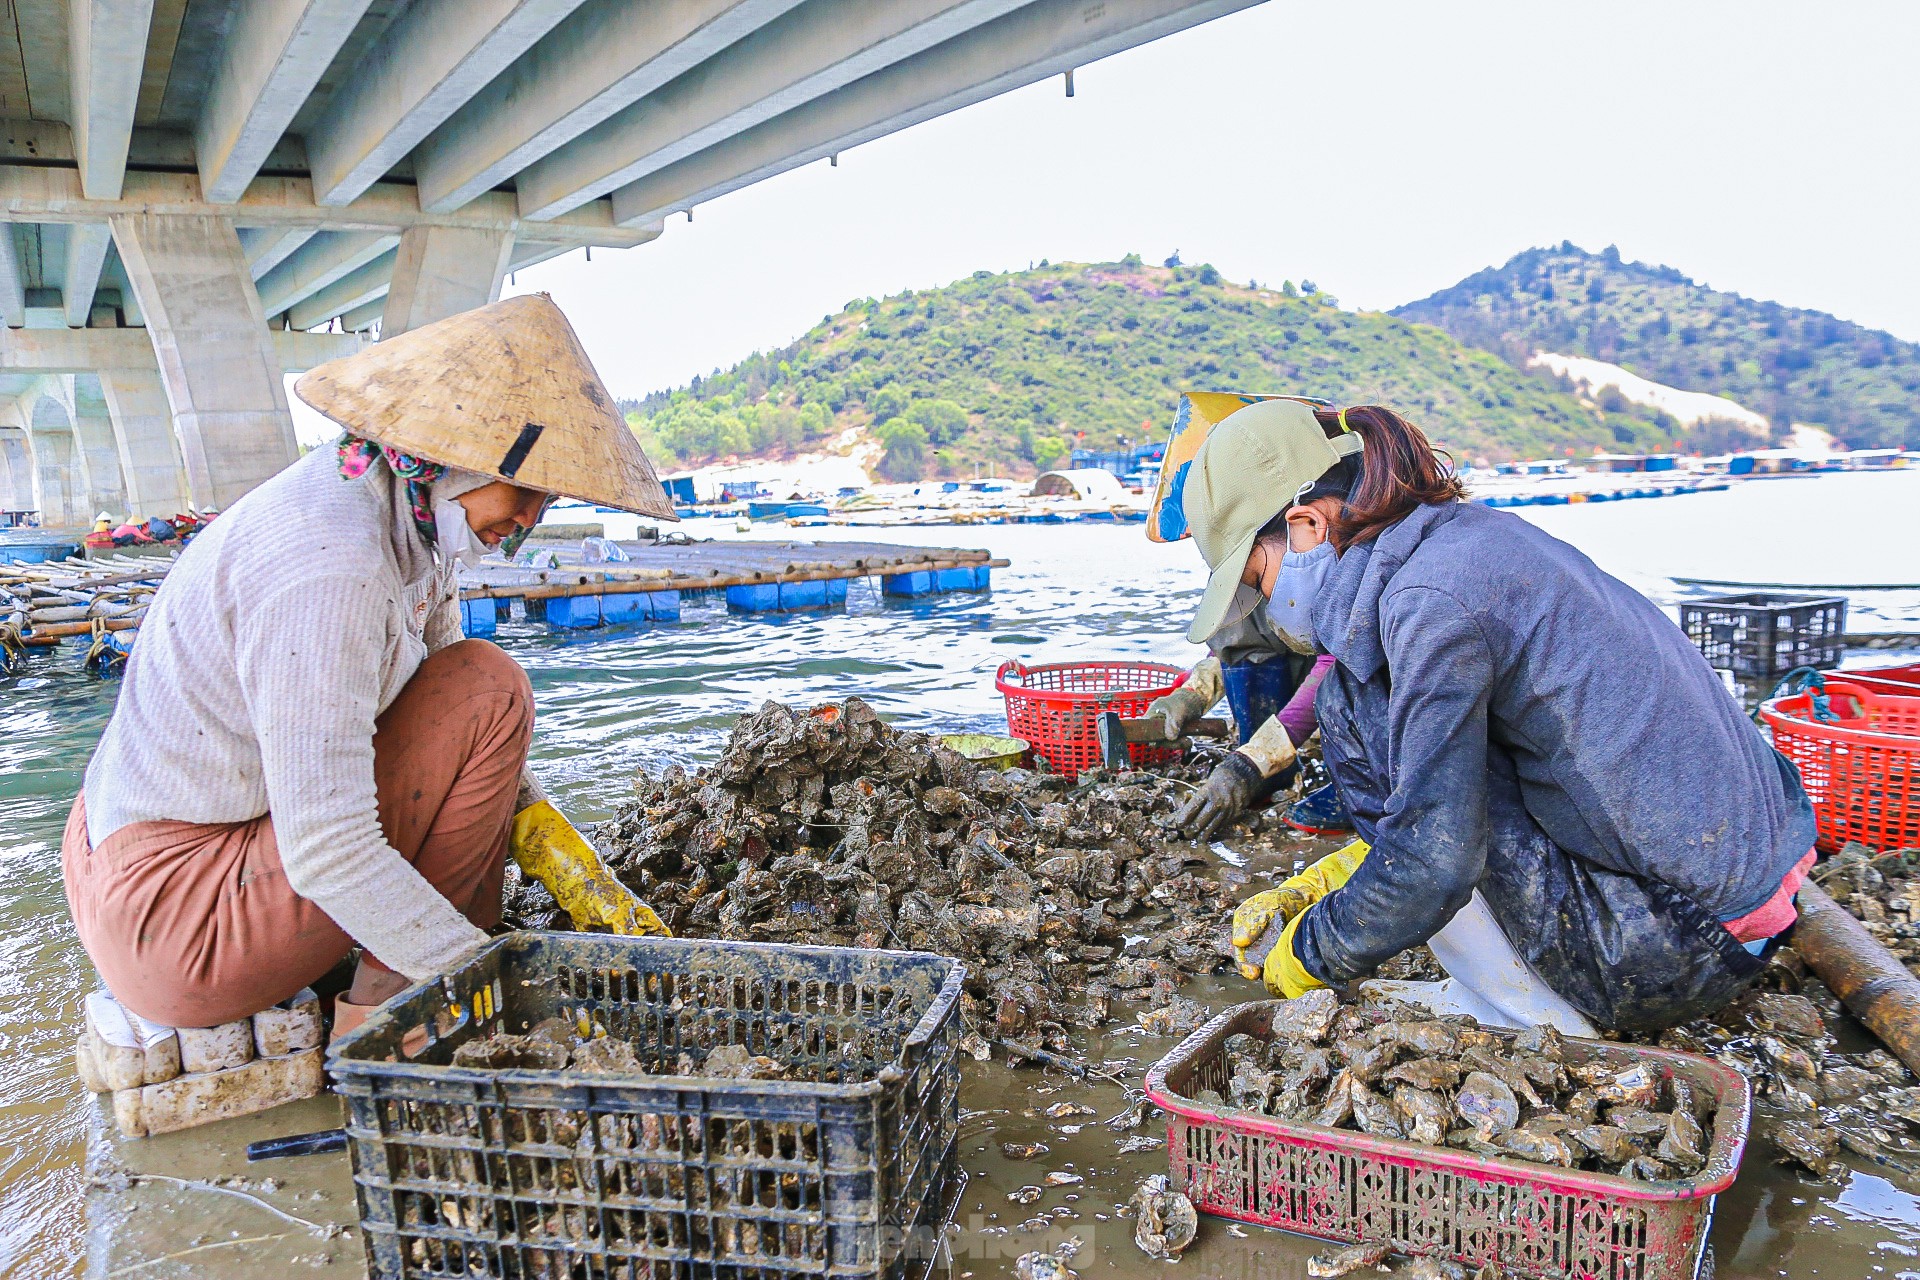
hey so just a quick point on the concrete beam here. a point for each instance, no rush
(439, 272)
(268, 247)
(274, 54)
(606, 55)
(150, 465)
(355, 289)
(365, 316)
(1040, 40)
(107, 51)
(131, 350)
(425, 67)
(813, 50)
(532, 253)
(157, 149)
(215, 354)
(163, 39)
(321, 261)
(40, 28)
(13, 281)
(32, 193)
(87, 245)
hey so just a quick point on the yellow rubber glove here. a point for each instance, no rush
(1288, 899)
(548, 848)
(1283, 973)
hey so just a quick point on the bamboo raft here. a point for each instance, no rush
(42, 604)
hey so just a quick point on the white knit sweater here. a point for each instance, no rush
(291, 622)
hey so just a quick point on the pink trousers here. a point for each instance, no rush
(193, 924)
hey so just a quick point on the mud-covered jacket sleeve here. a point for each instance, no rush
(1430, 845)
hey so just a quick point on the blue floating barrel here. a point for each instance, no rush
(624, 606)
(917, 583)
(761, 597)
(953, 579)
(803, 595)
(573, 613)
(479, 617)
(836, 590)
(664, 605)
(982, 578)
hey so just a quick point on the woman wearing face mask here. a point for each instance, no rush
(306, 755)
(1552, 788)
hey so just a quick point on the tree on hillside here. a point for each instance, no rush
(1049, 451)
(888, 402)
(906, 455)
(942, 420)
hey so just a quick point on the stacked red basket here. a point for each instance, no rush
(1860, 761)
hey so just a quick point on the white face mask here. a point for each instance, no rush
(1295, 588)
(454, 538)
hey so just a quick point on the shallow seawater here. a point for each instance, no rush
(615, 701)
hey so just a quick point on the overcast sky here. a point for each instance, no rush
(1382, 150)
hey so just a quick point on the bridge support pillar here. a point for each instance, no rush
(143, 434)
(442, 271)
(16, 471)
(99, 456)
(57, 493)
(216, 357)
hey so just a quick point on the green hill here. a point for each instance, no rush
(1794, 366)
(1009, 369)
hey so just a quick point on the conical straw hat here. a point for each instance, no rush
(505, 390)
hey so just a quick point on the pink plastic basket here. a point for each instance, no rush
(1537, 1222)
(1057, 707)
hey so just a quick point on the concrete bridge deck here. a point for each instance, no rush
(190, 189)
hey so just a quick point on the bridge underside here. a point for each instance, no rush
(193, 190)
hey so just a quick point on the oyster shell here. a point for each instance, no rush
(1332, 1263)
(1487, 1104)
(1165, 1221)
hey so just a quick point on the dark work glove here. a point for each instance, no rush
(1226, 793)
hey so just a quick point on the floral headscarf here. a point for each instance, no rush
(357, 453)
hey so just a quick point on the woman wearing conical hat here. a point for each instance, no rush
(306, 755)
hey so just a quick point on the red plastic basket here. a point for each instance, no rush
(1901, 681)
(1057, 707)
(1537, 1222)
(1862, 771)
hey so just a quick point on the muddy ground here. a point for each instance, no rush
(892, 841)
(1775, 1221)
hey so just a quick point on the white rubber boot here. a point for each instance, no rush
(1487, 978)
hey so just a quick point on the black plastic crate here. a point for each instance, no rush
(1760, 637)
(549, 1175)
